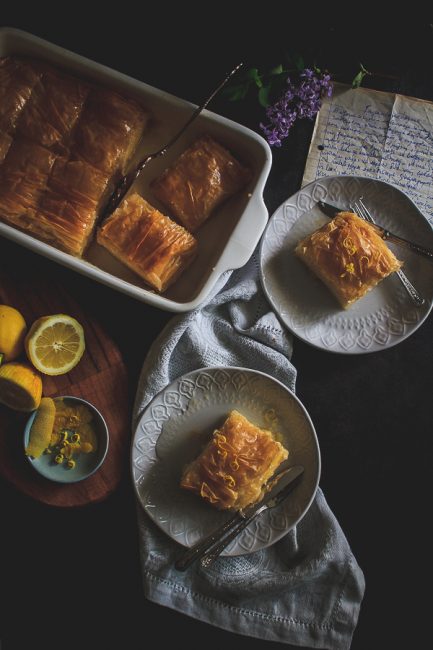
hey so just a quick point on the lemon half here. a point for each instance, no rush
(55, 344)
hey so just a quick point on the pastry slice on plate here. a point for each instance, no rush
(232, 470)
(349, 256)
(204, 176)
(148, 242)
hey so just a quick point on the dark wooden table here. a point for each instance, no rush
(72, 577)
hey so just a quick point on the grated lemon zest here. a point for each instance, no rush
(349, 246)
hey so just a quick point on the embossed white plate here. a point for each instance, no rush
(385, 316)
(179, 422)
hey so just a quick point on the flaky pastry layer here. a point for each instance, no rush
(349, 256)
(233, 468)
(63, 143)
(204, 176)
(148, 242)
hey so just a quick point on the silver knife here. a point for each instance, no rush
(281, 482)
(276, 496)
(331, 211)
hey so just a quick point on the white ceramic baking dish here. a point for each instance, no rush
(226, 241)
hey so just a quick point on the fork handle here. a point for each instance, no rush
(413, 293)
(215, 551)
(198, 550)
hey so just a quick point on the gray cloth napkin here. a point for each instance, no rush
(307, 588)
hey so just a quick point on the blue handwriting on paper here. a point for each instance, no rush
(392, 146)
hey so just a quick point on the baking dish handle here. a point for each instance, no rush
(245, 237)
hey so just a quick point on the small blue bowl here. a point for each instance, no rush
(85, 464)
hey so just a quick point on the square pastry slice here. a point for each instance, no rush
(24, 176)
(148, 242)
(349, 256)
(232, 470)
(17, 80)
(53, 110)
(69, 207)
(205, 175)
(108, 131)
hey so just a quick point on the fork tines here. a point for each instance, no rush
(361, 210)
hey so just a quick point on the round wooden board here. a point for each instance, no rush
(100, 377)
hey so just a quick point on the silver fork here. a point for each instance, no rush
(360, 209)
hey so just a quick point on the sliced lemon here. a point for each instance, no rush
(20, 387)
(55, 344)
(40, 433)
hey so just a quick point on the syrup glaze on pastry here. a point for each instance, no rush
(109, 131)
(52, 110)
(148, 242)
(204, 176)
(349, 256)
(17, 80)
(69, 205)
(232, 470)
(62, 143)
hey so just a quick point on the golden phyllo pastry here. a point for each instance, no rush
(5, 143)
(63, 144)
(24, 176)
(232, 470)
(17, 80)
(69, 206)
(349, 256)
(108, 131)
(148, 242)
(52, 110)
(204, 176)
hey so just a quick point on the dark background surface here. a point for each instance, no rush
(72, 578)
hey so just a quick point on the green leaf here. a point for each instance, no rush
(358, 78)
(235, 93)
(253, 74)
(277, 70)
(264, 96)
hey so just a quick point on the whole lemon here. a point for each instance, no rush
(20, 386)
(12, 333)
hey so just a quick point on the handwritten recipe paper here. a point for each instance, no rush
(379, 135)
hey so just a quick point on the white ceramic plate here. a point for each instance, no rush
(180, 420)
(385, 316)
(226, 241)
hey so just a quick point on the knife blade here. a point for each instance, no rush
(274, 498)
(281, 480)
(331, 211)
(277, 491)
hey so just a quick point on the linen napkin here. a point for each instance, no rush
(307, 588)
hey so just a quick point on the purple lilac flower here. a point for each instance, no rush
(298, 102)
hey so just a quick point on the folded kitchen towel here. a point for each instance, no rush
(306, 589)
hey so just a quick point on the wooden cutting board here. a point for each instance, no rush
(100, 378)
